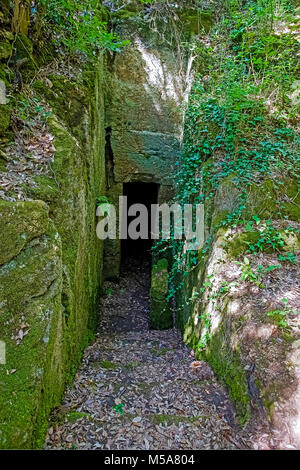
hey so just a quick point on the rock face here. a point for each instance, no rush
(51, 263)
(2, 92)
(145, 120)
(160, 311)
(246, 324)
(125, 125)
(50, 259)
(32, 323)
(144, 116)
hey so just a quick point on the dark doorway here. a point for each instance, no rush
(146, 194)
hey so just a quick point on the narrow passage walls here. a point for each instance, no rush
(95, 129)
(51, 259)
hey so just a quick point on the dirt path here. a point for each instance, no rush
(136, 389)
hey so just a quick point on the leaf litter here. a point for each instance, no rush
(141, 389)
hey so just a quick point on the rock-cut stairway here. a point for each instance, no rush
(136, 388)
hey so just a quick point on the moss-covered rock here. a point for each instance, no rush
(269, 200)
(160, 311)
(4, 118)
(44, 188)
(50, 269)
(32, 379)
(112, 248)
(230, 325)
(261, 200)
(24, 46)
(290, 206)
(21, 222)
(143, 107)
(5, 49)
(196, 21)
(229, 368)
(68, 98)
(239, 244)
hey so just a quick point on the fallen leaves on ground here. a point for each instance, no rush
(136, 388)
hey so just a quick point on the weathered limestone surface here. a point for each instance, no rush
(148, 82)
(32, 379)
(112, 248)
(51, 263)
(2, 92)
(160, 311)
(144, 111)
(228, 322)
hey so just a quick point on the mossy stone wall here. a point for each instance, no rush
(160, 310)
(51, 262)
(225, 319)
(32, 325)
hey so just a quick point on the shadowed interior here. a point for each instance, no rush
(139, 193)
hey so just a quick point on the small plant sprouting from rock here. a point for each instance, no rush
(280, 315)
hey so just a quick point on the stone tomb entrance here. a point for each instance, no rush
(139, 193)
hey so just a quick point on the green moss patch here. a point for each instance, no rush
(159, 352)
(45, 189)
(230, 371)
(74, 416)
(21, 222)
(108, 365)
(132, 365)
(30, 299)
(160, 311)
(4, 118)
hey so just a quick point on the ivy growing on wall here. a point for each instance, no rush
(240, 122)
